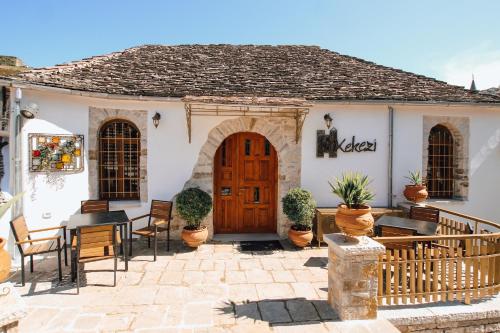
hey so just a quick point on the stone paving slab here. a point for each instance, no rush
(215, 288)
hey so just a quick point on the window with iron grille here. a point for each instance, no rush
(440, 164)
(119, 155)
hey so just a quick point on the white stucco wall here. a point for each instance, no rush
(484, 154)
(51, 200)
(366, 124)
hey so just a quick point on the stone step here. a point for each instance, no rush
(362, 326)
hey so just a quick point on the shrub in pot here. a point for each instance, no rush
(193, 205)
(299, 207)
(416, 191)
(353, 217)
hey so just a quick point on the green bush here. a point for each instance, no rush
(193, 205)
(299, 206)
(352, 188)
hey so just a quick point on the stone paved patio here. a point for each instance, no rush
(216, 288)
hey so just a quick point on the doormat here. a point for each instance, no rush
(271, 245)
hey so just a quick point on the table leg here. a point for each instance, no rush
(125, 243)
(130, 241)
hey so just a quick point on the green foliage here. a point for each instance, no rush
(415, 178)
(352, 188)
(193, 205)
(5, 207)
(299, 206)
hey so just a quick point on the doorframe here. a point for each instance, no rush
(215, 193)
(279, 131)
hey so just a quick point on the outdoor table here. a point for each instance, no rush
(423, 228)
(117, 217)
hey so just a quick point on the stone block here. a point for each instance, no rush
(274, 312)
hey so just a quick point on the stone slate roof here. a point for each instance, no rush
(491, 91)
(246, 70)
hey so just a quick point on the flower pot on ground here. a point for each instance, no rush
(416, 191)
(193, 205)
(353, 217)
(196, 237)
(299, 207)
(5, 260)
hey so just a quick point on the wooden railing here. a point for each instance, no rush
(460, 263)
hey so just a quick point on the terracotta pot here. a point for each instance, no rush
(300, 238)
(416, 193)
(5, 261)
(194, 238)
(354, 222)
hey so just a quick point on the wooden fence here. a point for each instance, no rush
(460, 263)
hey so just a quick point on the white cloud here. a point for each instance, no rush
(483, 62)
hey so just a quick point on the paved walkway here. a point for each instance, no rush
(216, 288)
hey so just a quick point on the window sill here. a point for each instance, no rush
(125, 204)
(447, 201)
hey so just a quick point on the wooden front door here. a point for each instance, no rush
(245, 179)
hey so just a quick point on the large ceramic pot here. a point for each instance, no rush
(5, 262)
(416, 193)
(300, 238)
(194, 238)
(354, 222)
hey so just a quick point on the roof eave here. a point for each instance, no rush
(14, 82)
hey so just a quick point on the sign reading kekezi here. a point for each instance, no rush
(329, 143)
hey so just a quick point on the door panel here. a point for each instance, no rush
(245, 179)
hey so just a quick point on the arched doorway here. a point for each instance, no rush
(245, 185)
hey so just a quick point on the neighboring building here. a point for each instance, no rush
(249, 120)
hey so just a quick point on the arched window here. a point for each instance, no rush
(119, 154)
(440, 173)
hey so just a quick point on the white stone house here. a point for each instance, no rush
(246, 124)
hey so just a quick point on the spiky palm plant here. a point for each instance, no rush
(352, 188)
(415, 178)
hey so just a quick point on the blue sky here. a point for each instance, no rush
(444, 39)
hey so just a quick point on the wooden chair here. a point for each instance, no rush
(95, 243)
(161, 212)
(424, 214)
(97, 206)
(389, 231)
(28, 246)
(94, 206)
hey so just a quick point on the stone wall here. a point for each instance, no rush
(459, 128)
(281, 134)
(99, 116)
(458, 323)
(352, 276)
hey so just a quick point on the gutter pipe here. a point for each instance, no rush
(391, 156)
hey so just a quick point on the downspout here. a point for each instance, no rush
(391, 156)
(15, 151)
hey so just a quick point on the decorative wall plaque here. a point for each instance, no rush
(55, 153)
(330, 143)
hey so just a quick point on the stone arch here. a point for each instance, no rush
(281, 134)
(459, 128)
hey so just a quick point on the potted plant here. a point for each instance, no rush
(193, 205)
(5, 260)
(353, 217)
(299, 207)
(416, 191)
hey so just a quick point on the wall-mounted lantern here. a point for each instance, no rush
(156, 119)
(328, 120)
(30, 111)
